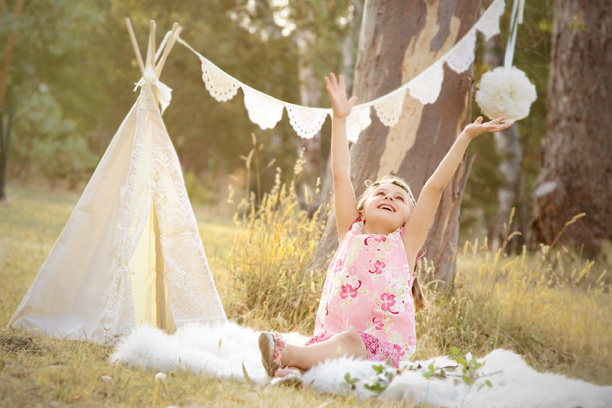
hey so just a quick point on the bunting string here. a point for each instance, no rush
(266, 111)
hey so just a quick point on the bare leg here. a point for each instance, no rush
(348, 343)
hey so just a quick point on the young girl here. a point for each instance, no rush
(367, 308)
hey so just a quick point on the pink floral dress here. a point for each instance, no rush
(368, 289)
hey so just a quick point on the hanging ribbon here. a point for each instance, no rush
(518, 8)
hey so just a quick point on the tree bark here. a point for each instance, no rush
(398, 41)
(5, 67)
(5, 145)
(576, 171)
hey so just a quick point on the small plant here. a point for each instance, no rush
(350, 381)
(385, 373)
(380, 380)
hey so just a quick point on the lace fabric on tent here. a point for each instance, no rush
(119, 314)
(306, 122)
(357, 121)
(191, 289)
(489, 22)
(389, 109)
(462, 54)
(221, 86)
(427, 85)
(155, 173)
(264, 111)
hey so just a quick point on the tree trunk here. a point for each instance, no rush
(576, 172)
(8, 52)
(399, 40)
(5, 145)
(6, 60)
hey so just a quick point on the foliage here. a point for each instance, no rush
(47, 142)
(385, 373)
(81, 53)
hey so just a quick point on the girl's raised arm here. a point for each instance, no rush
(423, 214)
(345, 202)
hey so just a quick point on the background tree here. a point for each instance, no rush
(576, 172)
(7, 51)
(399, 40)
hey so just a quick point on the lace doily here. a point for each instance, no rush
(357, 121)
(306, 122)
(489, 22)
(389, 109)
(427, 85)
(462, 54)
(221, 86)
(264, 111)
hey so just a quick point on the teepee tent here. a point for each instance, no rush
(130, 252)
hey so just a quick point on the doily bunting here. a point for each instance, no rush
(266, 111)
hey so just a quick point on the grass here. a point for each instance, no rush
(549, 305)
(42, 371)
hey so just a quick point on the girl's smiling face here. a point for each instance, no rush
(387, 208)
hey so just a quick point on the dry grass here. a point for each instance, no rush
(550, 306)
(273, 242)
(37, 371)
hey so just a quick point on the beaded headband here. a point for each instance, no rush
(397, 183)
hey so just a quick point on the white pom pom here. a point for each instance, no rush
(505, 94)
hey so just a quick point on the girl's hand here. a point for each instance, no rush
(337, 94)
(478, 128)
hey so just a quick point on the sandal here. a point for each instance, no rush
(271, 346)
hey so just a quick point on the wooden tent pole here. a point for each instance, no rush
(151, 47)
(176, 30)
(135, 45)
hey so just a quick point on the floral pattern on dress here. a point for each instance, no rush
(368, 290)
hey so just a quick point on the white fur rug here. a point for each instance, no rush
(223, 351)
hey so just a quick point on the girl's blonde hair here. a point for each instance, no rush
(420, 302)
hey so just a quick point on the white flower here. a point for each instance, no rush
(468, 357)
(106, 378)
(160, 376)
